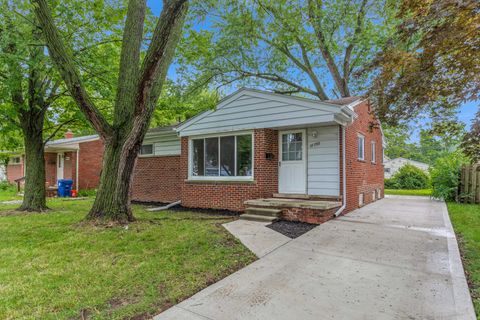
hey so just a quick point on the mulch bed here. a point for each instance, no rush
(291, 229)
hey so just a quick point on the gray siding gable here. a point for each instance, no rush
(252, 109)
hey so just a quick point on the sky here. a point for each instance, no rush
(466, 112)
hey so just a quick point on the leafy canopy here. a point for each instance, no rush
(309, 47)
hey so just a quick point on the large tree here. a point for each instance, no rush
(32, 94)
(431, 63)
(139, 86)
(308, 47)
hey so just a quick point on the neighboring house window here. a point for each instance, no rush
(225, 156)
(361, 147)
(147, 149)
(374, 151)
(16, 160)
(387, 170)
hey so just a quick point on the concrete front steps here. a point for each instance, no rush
(294, 209)
(261, 214)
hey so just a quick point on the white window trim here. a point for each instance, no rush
(373, 151)
(16, 163)
(361, 136)
(147, 155)
(220, 178)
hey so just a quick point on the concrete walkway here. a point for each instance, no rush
(394, 259)
(256, 236)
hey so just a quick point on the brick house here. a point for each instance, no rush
(76, 158)
(260, 153)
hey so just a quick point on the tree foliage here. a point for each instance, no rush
(471, 141)
(432, 63)
(309, 47)
(445, 175)
(34, 104)
(433, 142)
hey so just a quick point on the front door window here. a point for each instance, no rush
(292, 146)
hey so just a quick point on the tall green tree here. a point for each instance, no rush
(139, 85)
(471, 140)
(31, 91)
(308, 47)
(431, 64)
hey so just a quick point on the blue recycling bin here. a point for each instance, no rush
(64, 187)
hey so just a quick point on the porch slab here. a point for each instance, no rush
(293, 203)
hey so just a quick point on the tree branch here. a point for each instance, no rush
(348, 51)
(67, 69)
(128, 76)
(315, 21)
(58, 129)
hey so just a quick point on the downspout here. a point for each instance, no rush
(76, 169)
(344, 176)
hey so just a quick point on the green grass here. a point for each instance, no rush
(404, 192)
(466, 222)
(52, 266)
(9, 194)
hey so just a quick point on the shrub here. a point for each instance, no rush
(408, 177)
(7, 186)
(445, 175)
(391, 184)
(87, 192)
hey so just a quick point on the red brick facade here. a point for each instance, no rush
(363, 176)
(90, 164)
(157, 179)
(51, 168)
(15, 171)
(231, 195)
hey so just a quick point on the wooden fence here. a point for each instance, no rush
(470, 184)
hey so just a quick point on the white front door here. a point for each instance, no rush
(60, 164)
(292, 165)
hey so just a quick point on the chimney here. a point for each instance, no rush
(68, 134)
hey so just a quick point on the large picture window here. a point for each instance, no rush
(225, 156)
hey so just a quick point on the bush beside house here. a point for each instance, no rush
(445, 176)
(408, 177)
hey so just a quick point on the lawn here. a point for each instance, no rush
(466, 222)
(8, 193)
(405, 192)
(55, 267)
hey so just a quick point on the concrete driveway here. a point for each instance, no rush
(394, 259)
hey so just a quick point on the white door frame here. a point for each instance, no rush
(60, 169)
(304, 156)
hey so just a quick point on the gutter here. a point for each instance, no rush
(344, 194)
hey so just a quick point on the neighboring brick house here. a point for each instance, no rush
(259, 151)
(61, 158)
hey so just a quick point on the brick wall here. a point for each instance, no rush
(90, 164)
(231, 195)
(363, 176)
(15, 171)
(156, 179)
(51, 168)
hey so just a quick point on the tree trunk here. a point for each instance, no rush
(34, 193)
(112, 202)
